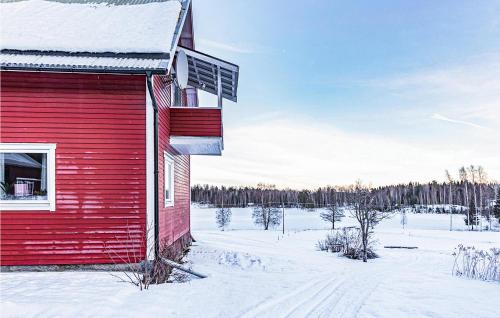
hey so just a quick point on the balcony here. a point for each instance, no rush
(196, 130)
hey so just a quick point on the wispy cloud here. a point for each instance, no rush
(304, 153)
(456, 121)
(226, 46)
(469, 90)
(478, 74)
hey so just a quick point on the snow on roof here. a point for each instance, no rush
(119, 26)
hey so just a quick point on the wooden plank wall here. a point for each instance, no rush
(174, 221)
(98, 124)
(196, 122)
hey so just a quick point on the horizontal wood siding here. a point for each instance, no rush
(196, 122)
(174, 221)
(98, 124)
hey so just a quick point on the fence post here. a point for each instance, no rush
(451, 219)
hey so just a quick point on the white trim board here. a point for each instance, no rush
(50, 203)
(167, 158)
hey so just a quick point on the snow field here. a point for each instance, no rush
(255, 273)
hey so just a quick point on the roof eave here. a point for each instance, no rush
(83, 70)
(178, 30)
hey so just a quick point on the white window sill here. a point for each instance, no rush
(169, 204)
(20, 205)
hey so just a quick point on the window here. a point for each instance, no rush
(27, 176)
(187, 97)
(169, 179)
(177, 95)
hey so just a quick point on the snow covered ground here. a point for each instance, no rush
(254, 273)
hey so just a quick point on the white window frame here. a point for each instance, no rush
(168, 159)
(50, 203)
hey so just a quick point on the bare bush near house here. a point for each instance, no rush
(477, 264)
(223, 217)
(144, 273)
(266, 216)
(346, 240)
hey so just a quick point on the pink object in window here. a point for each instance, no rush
(21, 189)
(192, 97)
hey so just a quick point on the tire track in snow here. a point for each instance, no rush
(309, 306)
(269, 305)
(351, 298)
(340, 296)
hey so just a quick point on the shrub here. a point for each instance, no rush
(477, 264)
(346, 240)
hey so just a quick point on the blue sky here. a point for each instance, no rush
(333, 91)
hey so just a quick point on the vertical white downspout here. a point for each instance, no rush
(150, 188)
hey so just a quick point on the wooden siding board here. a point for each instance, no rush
(175, 220)
(98, 124)
(197, 122)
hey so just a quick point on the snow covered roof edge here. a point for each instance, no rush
(145, 50)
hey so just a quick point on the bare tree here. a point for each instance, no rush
(332, 214)
(464, 177)
(404, 218)
(223, 217)
(266, 216)
(367, 212)
(449, 178)
(482, 180)
(472, 170)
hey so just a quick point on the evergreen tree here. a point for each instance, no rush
(496, 206)
(471, 217)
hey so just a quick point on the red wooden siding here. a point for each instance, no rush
(174, 221)
(196, 122)
(98, 124)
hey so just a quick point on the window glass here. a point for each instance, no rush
(192, 99)
(169, 180)
(187, 97)
(23, 176)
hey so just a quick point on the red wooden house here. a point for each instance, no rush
(95, 132)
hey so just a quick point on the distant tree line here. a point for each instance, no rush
(471, 190)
